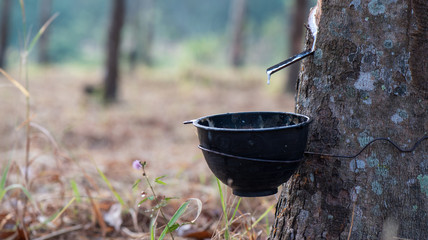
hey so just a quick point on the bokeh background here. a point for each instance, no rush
(171, 33)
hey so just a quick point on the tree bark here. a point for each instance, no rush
(4, 31)
(45, 12)
(113, 44)
(237, 16)
(296, 35)
(367, 79)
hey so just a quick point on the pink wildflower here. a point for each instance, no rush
(137, 165)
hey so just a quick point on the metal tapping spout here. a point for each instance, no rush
(314, 31)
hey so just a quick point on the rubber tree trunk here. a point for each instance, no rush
(113, 44)
(4, 30)
(237, 21)
(296, 36)
(368, 78)
(44, 15)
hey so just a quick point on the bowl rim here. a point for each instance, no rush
(302, 124)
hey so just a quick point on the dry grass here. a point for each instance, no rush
(72, 134)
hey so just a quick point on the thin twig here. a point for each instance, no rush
(46, 133)
(135, 220)
(60, 232)
(132, 234)
(97, 213)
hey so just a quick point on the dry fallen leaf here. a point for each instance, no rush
(199, 235)
(188, 231)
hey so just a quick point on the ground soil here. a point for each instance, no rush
(72, 134)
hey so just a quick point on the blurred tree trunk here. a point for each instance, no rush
(368, 78)
(134, 15)
(143, 31)
(299, 17)
(237, 23)
(4, 31)
(148, 31)
(113, 44)
(44, 15)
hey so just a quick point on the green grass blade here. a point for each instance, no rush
(178, 213)
(4, 176)
(158, 180)
(236, 210)
(170, 225)
(135, 185)
(267, 224)
(153, 228)
(223, 206)
(110, 187)
(41, 31)
(263, 215)
(56, 215)
(142, 201)
(2, 193)
(16, 186)
(75, 189)
(63, 209)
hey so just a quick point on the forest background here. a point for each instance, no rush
(183, 33)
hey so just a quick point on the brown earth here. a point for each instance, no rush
(72, 134)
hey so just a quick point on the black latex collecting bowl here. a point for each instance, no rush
(253, 152)
(261, 135)
(249, 177)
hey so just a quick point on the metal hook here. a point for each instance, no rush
(314, 31)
